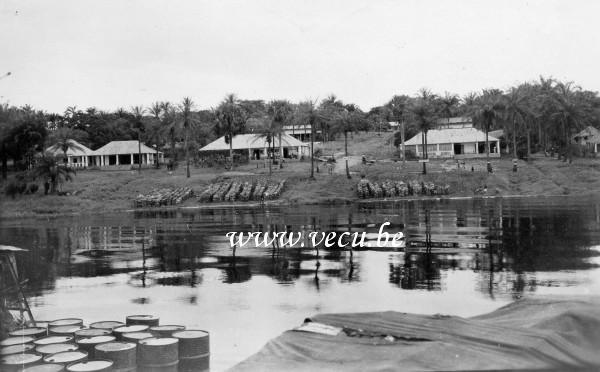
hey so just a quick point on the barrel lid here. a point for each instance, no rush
(96, 339)
(28, 331)
(55, 348)
(137, 335)
(159, 341)
(90, 365)
(16, 349)
(15, 340)
(131, 328)
(65, 357)
(167, 328)
(115, 346)
(67, 329)
(53, 340)
(65, 322)
(142, 317)
(91, 332)
(20, 359)
(48, 367)
(190, 333)
(107, 324)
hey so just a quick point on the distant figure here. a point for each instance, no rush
(46, 187)
(364, 159)
(472, 169)
(330, 167)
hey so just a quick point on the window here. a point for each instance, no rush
(446, 147)
(431, 148)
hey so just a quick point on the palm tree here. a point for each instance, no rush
(49, 168)
(423, 116)
(231, 120)
(448, 104)
(311, 115)
(64, 139)
(516, 106)
(280, 113)
(347, 121)
(487, 110)
(188, 121)
(571, 111)
(170, 126)
(153, 127)
(138, 114)
(398, 107)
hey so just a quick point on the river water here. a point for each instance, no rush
(465, 257)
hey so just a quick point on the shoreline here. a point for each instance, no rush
(285, 203)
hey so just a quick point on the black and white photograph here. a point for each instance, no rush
(306, 185)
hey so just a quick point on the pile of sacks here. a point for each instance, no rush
(166, 196)
(367, 189)
(241, 191)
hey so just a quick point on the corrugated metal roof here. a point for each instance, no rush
(80, 151)
(251, 141)
(122, 147)
(451, 135)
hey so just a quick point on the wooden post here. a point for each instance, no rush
(403, 148)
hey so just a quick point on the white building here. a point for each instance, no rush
(124, 153)
(454, 138)
(257, 146)
(77, 154)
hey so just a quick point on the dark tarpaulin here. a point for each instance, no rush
(540, 333)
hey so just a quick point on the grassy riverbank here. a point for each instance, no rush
(95, 191)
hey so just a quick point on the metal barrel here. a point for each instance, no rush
(107, 324)
(91, 332)
(194, 350)
(123, 354)
(16, 340)
(42, 323)
(65, 322)
(166, 330)
(149, 320)
(118, 332)
(16, 349)
(158, 354)
(135, 337)
(66, 357)
(96, 365)
(66, 330)
(35, 332)
(89, 343)
(54, 340)
(16, 362)
(48, 367)
(55, 348)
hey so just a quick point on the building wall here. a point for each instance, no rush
(446, 150)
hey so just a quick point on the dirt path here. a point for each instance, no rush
(340, 163)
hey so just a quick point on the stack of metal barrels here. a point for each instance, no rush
(138, 344)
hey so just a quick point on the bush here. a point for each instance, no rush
(32, 188)
(410, 155)
(14, 188)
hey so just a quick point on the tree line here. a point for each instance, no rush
(536, 115)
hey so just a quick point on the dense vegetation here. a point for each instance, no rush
(534, 115)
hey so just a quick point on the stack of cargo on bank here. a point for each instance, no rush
(140, 343)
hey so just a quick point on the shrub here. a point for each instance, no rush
(32, 188)
(14, 188)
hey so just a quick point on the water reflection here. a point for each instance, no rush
(504, 242)
(482, 252)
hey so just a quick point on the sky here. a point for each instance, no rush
(111, 54)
